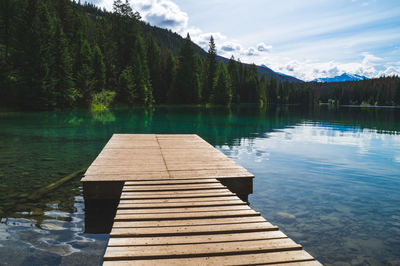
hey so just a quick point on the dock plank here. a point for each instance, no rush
(202, 249)
(171, 182)
(150, 195)
(184, 215)
(300, 257)
(182, 204)
(194, 239)
(188, 222)
(193, 230)
(174, 210)
(178, 210)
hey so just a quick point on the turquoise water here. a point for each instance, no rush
(330, 178)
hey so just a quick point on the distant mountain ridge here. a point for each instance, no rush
(278, 75)
(341, 78)
(170, 40)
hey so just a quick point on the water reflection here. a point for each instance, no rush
(331, 187)
(328, 177)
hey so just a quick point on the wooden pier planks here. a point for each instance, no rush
(162, 228)
(179, 205)
(156, 157)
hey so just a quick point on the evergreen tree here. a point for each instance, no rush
(233, 70)
(186, 77)
(211, 70)
(168, 72)
(67, 18)
(84, 75)
(32, 68)
(262, 88)
(7, 15)
(249, 91)
(154, 65)
(7, 22)
(99, 69)
(127, 87)
(66, 94)
(141, 74)
(271, 91)
(59, 54)
(222, 89)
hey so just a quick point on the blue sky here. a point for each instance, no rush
(306, 39)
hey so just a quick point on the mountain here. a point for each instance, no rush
(280, 76)
(341, 78)
(170, 40)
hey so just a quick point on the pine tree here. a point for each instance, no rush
(154, 65)
(222, 89)
(127, 87)
(186, 76)
(141, 74)
(211, 70)
(33, 57)
(261, 91)
(249, 91)
(99, 69)
(84, 75)
(233, 70)
(271, 91)
(168, 72)
(7, 22)
(66, 94)
(67, 18)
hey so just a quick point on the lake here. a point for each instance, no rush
(328, 177)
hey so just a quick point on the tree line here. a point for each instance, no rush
(63, 54)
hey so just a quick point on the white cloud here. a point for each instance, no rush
(203, 39)
(370, 58)
(262, 47)
(163, 13)
(308, 70)
(251, 51)
(107, 4)
(294, 50)
(231, 47)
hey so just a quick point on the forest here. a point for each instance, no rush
(62, 54)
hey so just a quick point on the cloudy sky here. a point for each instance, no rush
(306, 39)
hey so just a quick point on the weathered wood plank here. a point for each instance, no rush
(112, 170)
(194, 239)
(203, 249)
(193, 230)
(187, 194)
(125, 177)
(174, 211)
(301, 257)
(184, 215)
(218, 173)
(123, 205)
(184, 187)
(177, 200)
(179, 210)
(189, 222)
(171, 182)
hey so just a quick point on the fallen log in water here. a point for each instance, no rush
(39, 193)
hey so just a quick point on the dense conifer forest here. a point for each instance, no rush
(62, 54)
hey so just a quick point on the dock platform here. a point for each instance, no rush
(176, 207)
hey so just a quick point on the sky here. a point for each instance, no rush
(306, 39)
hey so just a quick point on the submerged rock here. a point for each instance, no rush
(286, 217)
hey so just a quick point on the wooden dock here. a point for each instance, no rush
(174, 209)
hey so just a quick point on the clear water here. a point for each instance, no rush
(329, 178)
